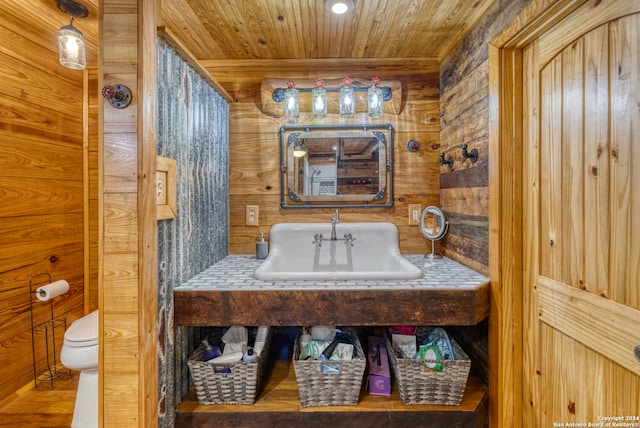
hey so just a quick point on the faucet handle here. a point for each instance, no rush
(348, 238)
(317, 239)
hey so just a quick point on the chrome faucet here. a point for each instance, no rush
(335, 218)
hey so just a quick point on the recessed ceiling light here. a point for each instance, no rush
(339, 6)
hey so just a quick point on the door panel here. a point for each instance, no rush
(581, 299)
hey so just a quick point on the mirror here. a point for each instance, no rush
(341, 166)
(433, 227)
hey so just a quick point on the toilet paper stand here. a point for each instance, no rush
(54, 368)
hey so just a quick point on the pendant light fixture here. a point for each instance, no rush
(70, 41)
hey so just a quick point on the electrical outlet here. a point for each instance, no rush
(251, 215)
(415, 211)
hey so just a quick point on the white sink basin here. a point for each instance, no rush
(374, 255)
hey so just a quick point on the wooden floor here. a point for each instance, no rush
(42, 407)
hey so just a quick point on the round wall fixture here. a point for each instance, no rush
(339, 6)
(72, 8)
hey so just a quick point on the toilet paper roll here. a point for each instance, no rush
(52, 290)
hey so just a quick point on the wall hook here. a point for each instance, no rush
(473, 155)
(119, 96)
(413, 145)
(449, 161)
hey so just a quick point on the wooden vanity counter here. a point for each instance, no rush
(227, 294)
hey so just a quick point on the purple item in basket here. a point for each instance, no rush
(379, 380)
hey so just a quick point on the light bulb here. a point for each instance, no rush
(339, 8)
(71, 45)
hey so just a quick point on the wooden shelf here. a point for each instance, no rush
(278, 404)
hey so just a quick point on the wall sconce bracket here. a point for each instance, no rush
(119, 96)
(413, 145)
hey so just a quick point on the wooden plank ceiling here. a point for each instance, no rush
(241, 42)
(241, 39)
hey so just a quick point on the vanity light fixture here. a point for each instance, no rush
(339, 7)
(70, 41)
(375, 101)
(347, 98)
(319, 100)
(291, 102)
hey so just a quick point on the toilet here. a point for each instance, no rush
(80, 352)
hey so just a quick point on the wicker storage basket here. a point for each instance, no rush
(420, 385)
(330, 389)
(240, 386)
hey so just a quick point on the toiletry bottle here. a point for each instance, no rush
(209, 352)
(262, 248)
(249, 356)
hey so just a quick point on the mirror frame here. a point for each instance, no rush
(440, 215)
(383, 199)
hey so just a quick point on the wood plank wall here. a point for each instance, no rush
(92, 94)
(127, 215)
(254, 147)
(41, 186)
(464, 83)
(464, 104)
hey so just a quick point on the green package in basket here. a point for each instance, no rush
(431, 356)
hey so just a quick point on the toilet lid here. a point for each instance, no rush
(83, 331)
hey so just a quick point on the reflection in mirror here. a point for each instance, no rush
(340, 166)
(433, 227)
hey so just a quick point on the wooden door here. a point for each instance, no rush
(581, 204)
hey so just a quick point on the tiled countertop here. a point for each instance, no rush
(235, 273)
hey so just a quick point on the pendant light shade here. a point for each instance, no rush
(71, 47)
(70, 41)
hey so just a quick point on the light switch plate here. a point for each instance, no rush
(251, 215)
(415, 211)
